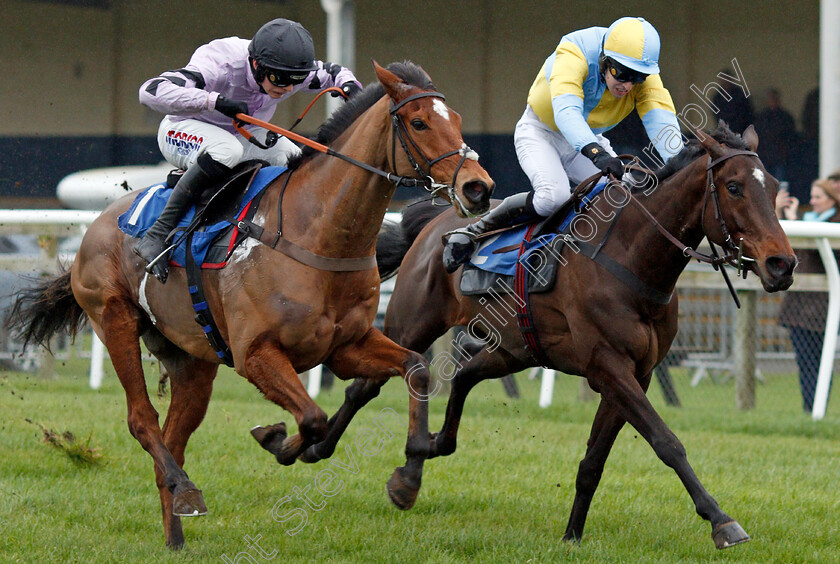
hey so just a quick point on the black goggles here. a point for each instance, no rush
(623, 74)
(284, 78)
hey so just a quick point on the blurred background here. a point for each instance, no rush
(71, 69)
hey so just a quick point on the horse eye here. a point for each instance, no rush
(418, 125)
(734, 188)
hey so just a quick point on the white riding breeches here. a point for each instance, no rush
(550, 162)
(181, 143)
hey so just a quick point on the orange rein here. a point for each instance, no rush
(284, 132)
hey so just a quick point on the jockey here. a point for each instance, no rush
(591, 82)
(223, 78)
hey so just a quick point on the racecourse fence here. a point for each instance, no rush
(720, 353)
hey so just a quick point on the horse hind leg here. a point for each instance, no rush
(605, 428)
(373, 360)
(356, 396)
(120, 323)
(269, 369)
(484, 365)
(612, 374)
(191, 387)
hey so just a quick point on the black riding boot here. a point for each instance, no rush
(459, 245)
(186, 192)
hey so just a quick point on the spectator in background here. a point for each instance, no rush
(777, 133)
(735, 108)
(804, 313)
(811, 115)
(803, 165)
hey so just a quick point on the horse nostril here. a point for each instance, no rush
(476, 191)
(780, 265)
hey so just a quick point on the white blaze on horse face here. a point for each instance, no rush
(441, 109)
(759, 175)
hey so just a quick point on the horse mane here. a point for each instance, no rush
(693, 149)
(345, 115)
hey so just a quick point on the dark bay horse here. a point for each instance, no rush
(280, 317)
(594, 325)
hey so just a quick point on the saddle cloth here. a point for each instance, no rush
(497, 257)
(212, 243)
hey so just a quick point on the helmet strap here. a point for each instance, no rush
(258, 71)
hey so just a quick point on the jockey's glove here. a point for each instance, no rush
(350, 89)
(603, 160)
(231, 107)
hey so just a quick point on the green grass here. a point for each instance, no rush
(504, 496)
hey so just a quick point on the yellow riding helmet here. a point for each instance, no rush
(634, 43)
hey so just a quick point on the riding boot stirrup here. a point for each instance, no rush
(460, 244)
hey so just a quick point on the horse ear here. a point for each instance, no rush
(712, 147)
(394, 85)
(750, 137)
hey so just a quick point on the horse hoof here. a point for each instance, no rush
(189, 503)
(729, 534)
(270, 438)
(402, 490)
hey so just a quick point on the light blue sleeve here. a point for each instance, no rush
(568, 116)
(664, 132)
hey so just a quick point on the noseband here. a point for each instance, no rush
(400, 131)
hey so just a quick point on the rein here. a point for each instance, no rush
(734, 255)
(399, 131)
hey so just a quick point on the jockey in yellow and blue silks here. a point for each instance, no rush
(593, 80)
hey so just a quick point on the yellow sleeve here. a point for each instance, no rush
(568, 71)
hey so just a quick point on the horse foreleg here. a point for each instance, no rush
(612, 374)
(375, 358)
(483, 366)
(120, 326)
(192, 385)
(269, 369)
(356, 396)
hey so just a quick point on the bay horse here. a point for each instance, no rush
(593, 324)
(280, 317)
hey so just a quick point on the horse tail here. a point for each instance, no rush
(390, 249)
(45, 309)
(416, 216)
(394, 239)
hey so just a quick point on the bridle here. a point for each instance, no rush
(733, 253)
(400, 131)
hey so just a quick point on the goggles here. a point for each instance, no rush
(624, 74)
(284, 78)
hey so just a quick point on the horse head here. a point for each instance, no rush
(430, 134)
(739, 212)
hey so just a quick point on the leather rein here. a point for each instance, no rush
(399, 131)
(734, 254)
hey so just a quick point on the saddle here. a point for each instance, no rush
(212, 221)
(209, 233)
(537, 247)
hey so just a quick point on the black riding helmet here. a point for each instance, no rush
(284, 52)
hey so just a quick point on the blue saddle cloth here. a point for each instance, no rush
(150, 202)
(500, 253)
